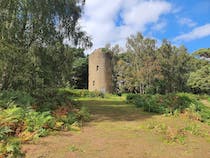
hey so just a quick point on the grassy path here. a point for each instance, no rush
(115, 131)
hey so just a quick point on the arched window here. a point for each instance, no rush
(97, 67)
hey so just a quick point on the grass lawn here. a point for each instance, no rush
(120, 130)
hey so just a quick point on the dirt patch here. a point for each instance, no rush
(206, 103)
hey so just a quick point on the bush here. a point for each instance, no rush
(18, 97)
(77, 116)
(11, 148)
(83, 114)
(19, 124)
(38, 122)
(172, 104)
(83, 93)
(51, 98)
(163, 103)
(205, 114)
(131, 98)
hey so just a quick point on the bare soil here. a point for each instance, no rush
(115, 131)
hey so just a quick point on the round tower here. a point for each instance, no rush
(100, 72)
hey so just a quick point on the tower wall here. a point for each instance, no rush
(100, 72)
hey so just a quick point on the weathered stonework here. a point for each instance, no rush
(100, 72)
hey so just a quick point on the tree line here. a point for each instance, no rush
(144, 68)
(42, 45)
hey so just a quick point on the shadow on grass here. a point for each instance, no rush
(103, 110)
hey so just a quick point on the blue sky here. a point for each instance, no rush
(183, 22)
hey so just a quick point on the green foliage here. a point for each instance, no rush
(11, 148)
(4, 131)
(83, 93)
(27, 124)
(38, 121)
(203, 52)
(83, 114)
(32, 52)
(199, 80)
(53, 110)
(18, 97)
(162, 103)
(73, 118)
(10, 120)
(132, 98)
(172, 104)
(51, 98)
(143, 68)
(205, 114)
(79, 70)
(18, 17)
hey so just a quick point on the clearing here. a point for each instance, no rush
(117, 130)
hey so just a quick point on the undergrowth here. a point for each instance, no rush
(172, 104)
(25, 117)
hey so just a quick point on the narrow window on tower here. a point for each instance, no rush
(93, 83)
(97, 67)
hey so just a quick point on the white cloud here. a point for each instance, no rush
(187, 21)
(99, 19)
(196, 33)
(159, 26)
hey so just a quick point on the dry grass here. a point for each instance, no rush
(116, 131)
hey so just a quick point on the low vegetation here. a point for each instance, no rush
(173, 134)
(24, 118)
(181, 103)
(118, 126)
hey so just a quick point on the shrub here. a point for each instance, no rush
(131, 98)
(21, 120)
(172, 104)
(205, 114)
(38, 122)
(67, 119)
(163, 103)
(83, 93)
(83, 114)
(18, 97)
(28, 124)
(50, 99)
(11, 147)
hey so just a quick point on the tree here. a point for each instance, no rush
(79, 70)
(143, 62)
(32, 35)
(199, 80)
(203, 53)
(26, 22)
(175, 68)
(144, 68)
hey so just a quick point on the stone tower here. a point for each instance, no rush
(100, 72)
